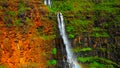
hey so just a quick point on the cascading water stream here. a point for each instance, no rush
(71, 60)
(70, 57)
(48, 2)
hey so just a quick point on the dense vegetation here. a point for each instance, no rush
(93, 25)
(28, 33)
(25, 35)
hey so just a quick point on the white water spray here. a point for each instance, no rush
(70, 57)
(45, 2)
(48, 2)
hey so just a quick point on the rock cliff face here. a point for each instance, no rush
(29, 33)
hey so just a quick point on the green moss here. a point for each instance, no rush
(71, 36)
(63, 6)
(98, 34)
(95, 18)
(54, 51)
(85, 59)
(47, 37)
(75, 26)
(12, 13)
(96, 65)
(52, 62)
(93, 60)
(97, 29)
(18, 22)
(77, 49)
(92, 10)
(21, 7)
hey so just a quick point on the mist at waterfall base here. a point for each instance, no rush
(70, 57)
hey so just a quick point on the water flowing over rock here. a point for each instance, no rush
(70, 57)
(48, 2)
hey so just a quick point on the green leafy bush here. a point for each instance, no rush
(96, 65)
(71, 36)
(54, 51)
(52, 62)
(93, 61)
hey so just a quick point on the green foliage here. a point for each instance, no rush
(97, 29)
(71, 36)
(85, 59)
(47, 37)
(82, 24)
(106, 61)
(52, 62)
(70, 29)
(21, 7)
(77, 49)
(105, 24)
(94, 16)
(11, 13)
(63, 6)
(102, 34)
(93, 60)
(71, 5)
(76, 26)
(54, 51)
(96, 65)
(86, 49)
(28, 21)
(85, 8)
(18, 22)
(42, 35)
(3, 66)
(9, 17)
(106, 6)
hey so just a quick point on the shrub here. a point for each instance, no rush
(54, 51)
(52, 62)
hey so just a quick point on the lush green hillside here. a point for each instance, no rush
(93, 25)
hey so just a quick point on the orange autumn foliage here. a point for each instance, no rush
(22, 46)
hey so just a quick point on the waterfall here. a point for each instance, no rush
(71, 60)
(70, 57)
(45, 2)
(48, 2)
